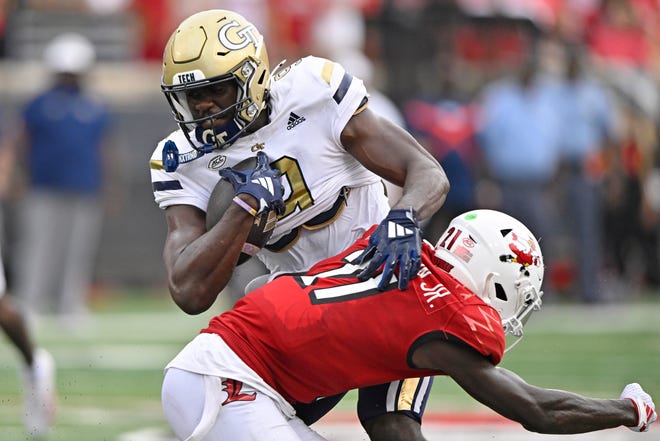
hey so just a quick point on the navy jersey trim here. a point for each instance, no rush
(343, 88)
(361, 107)
(167, 185)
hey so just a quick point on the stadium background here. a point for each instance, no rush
(109, 377)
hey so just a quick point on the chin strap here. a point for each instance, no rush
(278, 67)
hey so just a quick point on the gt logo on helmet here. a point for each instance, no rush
(247, 35)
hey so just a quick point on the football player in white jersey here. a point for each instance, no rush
(322, 157)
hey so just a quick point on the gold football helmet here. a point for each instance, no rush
(208, 48)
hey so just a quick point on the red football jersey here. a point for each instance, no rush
(326, 332)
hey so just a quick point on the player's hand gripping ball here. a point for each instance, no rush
(238, 178)
(261, 182)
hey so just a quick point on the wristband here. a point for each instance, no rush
(250, 249)
(245, 206)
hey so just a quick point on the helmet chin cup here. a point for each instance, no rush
(219, 137)
(513, 326)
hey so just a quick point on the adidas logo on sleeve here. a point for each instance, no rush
(294, 120)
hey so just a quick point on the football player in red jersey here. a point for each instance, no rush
(302, 337)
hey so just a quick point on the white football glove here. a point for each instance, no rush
(643, 406)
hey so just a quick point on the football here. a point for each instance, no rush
(221, 199)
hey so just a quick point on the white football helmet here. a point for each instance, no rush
(498, 258)
(208, 48)
(70, 53)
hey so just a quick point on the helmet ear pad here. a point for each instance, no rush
(492, 290)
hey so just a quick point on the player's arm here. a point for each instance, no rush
(537, 409)
(392, 153)
(198, 263)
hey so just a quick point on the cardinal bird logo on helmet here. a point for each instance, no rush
(524, 251)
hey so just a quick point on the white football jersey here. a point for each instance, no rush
(311, 102)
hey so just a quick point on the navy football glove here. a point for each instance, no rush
(397, 240)
(262, 182)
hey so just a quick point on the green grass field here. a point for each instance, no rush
(109, 374)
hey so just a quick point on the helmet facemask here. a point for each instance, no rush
(217, 136)
(529, 301)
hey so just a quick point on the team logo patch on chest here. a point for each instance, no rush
(217, 162)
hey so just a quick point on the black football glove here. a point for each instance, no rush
(397, 240)
(262, 182)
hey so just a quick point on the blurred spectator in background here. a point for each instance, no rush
(291, 25)
(37, 367)
(62, 148)
(412, 38)
(447, 129)
(623, 32)
(4, 12)
(154, 22)
(632, 211)
(590, 129)
(623, 38)
(519, 129)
